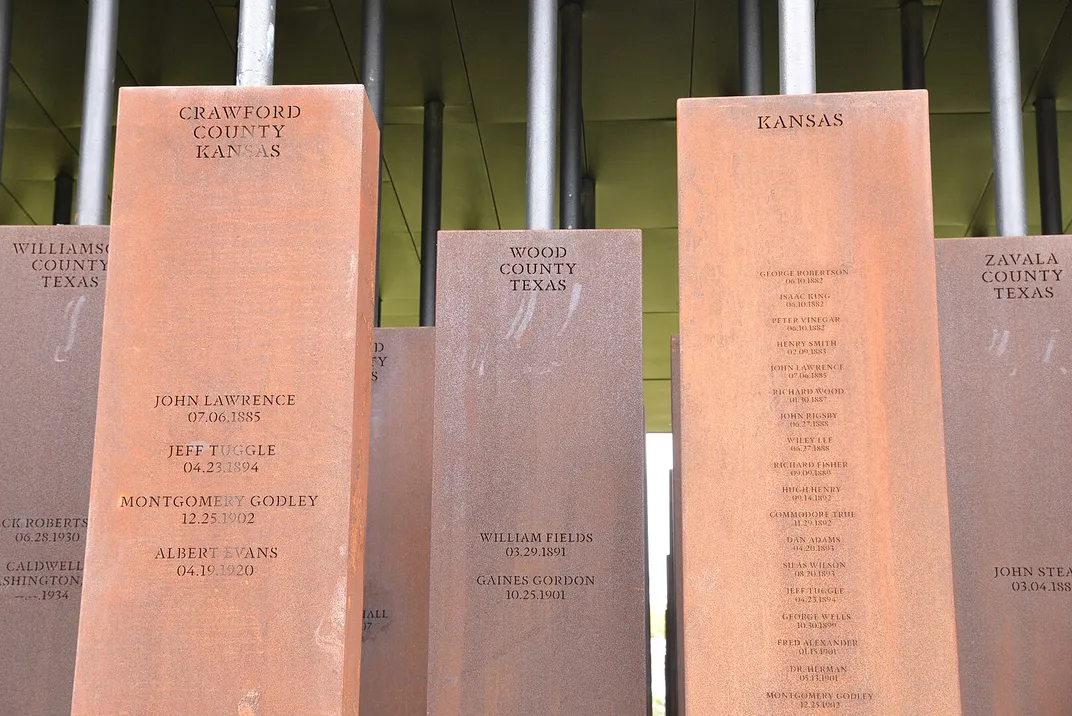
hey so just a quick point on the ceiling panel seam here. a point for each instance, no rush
(226, 37)
(584, 142)
(394, 190)
(930, 37)
(633, 120)
(692, 51)
(978, 205)
(18, 204)
(118, 54)
(1042, 63)
(342, 36)
(43, 110)
(125, 65)
(476, 116)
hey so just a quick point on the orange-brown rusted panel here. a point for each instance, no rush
(227, 509)
(815, 522)
(394, 650)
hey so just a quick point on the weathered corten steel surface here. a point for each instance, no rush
(52, 294)
(538, 548)
(676, 575)
(1005, 316)
(815, 519)
(224, 566)
(394, 658)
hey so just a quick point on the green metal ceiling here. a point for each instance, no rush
(639, 57)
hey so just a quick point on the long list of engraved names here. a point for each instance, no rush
(812, 513)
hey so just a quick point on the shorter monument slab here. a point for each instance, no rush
(1005, 311)
(394, 641)
(538, 585)
(52, 301)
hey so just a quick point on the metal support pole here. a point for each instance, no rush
(5, 67)
(62, 199)
(431, 205)
(796, 30)
(572, 134)
(372, 64)
(750, 50)
(588, 201)
(669, 620)
(372, 55)
(256, 43)
(541, 145)
(913, 75)
(1006, 117)
(1049, 165)
(95, 151)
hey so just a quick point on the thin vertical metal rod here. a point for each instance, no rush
(572, 135)
(372, 55)
(588, 201)
(750, 50)
(1006, 117)
(542, 114)
(5, 67)
(256, 43)
(1049, 165)
(95, 151)
(913, 74)
(372, 73)
(431, 205)
(669, 620)
(796, 35)
(62, 199)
